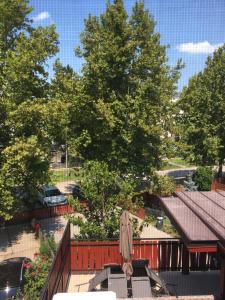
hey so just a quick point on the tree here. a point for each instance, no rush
(119, 111)
(26, 166)
(201, 113)
(203, 178)
(163, 185)
(26, 118)
(104, 190)
(7, 203)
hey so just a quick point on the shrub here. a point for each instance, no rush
(37, 271)
(106, 193)
(203, 178)
(35, 277)
(163, 185)
(48, 246)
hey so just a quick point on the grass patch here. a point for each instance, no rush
(175, 163)
(167, 225)
(166, 166)
(62, 175)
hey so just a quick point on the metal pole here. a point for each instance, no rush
(66, 163)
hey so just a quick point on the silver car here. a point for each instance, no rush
(51, 196)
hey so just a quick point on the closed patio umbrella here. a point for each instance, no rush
(126, 242)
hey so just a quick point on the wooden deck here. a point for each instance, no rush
(196, 283)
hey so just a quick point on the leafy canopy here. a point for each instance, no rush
(202, 119)
(27, 121)
(104, 191)
(121, 100)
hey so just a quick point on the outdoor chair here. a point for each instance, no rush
(141, 287)
(102, 277)
(98, 279)
(159, 286)
(118, 283)
(139, 267)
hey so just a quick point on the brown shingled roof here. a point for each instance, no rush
(198, 216)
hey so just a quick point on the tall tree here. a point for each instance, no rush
(26, 120)
(125, 91)
(201, 116)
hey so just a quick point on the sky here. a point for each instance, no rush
(192, 28)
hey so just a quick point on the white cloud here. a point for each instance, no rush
(42, 16)
(197, 48)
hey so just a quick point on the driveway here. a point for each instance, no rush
(19, 240)
(66, 187)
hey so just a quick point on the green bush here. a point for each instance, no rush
(48, 246)
(163, 185)
(37, 271)
(203, 178)
(35, 277)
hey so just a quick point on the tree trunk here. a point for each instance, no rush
(220, 170)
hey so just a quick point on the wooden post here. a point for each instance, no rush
(185, 261)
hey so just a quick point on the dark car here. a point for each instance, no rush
(77, 193)
(12, 276)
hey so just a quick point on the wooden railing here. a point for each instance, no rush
(82, 256)
(58, 278)
(163, 255)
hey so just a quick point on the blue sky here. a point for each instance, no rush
(192, 28)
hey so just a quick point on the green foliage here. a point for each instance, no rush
(104, 190)
(7, 204)
(26, 165)
(119, 107)
(203, 178)
(167, 226)
(202, 120)
(48, 246)
(28, 123)
(163, 185)
(35, 277)
(62, 175)
(37, 271)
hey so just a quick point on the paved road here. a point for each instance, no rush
(19, 240)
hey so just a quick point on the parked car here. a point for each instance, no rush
(77, 193)
(12, 272)
(51, 196)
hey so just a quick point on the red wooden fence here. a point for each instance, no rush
(49, 212)
(41, 213)
(218, 184)
(162, 255)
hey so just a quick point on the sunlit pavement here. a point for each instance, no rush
(19, 240)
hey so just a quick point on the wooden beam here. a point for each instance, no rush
(202, 248)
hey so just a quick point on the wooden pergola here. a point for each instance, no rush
(199, 217)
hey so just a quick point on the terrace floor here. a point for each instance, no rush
(196, 283)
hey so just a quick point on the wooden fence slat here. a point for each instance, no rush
(194, 261)
(174, 256)
(162, 255)
(202, 261)
(155, 250)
